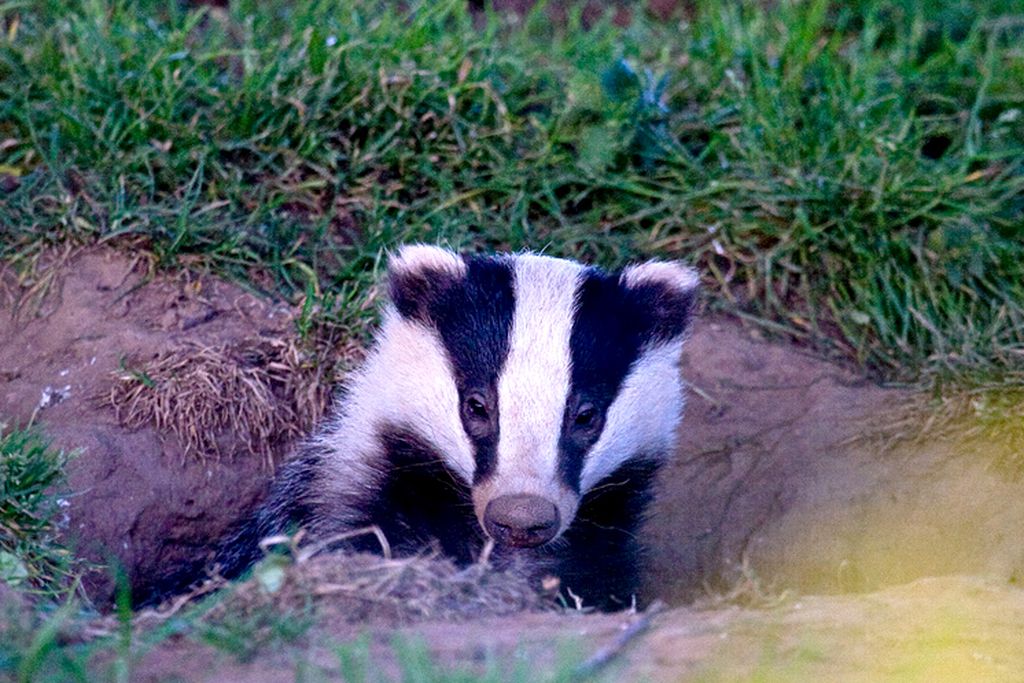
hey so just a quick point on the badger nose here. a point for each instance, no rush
(521, 520)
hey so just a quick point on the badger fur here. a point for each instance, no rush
(521, 398)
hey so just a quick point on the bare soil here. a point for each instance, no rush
(779, 470)
(777, 498)
(935, 630)
(134, 495)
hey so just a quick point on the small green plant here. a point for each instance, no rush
(30, 476)
(415, 663)
(32, 647)
(244, 634)
(53, 642)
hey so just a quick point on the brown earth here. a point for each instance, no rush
(777, 468)
(935, 630)
(134, 494)
(774, 489)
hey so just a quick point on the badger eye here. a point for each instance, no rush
(586, 416)
(476, 407)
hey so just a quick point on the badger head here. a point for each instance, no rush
(532, 377)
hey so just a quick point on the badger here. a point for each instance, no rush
(516, 398)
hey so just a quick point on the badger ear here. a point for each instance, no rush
(418, 274)
(666, 291)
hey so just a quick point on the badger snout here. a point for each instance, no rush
(521, 520)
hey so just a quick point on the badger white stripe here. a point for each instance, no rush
(535, 380)
(407, 381)
(422, 258)
(667, 273)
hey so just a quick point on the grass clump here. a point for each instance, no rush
(30, 557)
(35, 570)
(34, 645)
(850, 174)
(267, 391)
(362, 588)
(247, 635)
(416, 663)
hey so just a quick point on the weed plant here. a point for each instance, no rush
(30, 557)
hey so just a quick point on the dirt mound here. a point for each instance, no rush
(774, 488)
(948, 629)
(360, 588)
(775, 477)
(772, 481)
(135, 496)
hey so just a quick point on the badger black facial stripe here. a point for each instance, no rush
(474, 318)
(407, 523)
(419, 276)
(608, 332)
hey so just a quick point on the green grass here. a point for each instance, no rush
(245, 636)
(32, 647)
(357, 664)
(68, 643)
(851, 174)
(31, 475)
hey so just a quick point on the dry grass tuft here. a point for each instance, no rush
(990, 418)
(345, 588)
(259, 392)
(746, 589)
(359, 588)
(29, 280)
